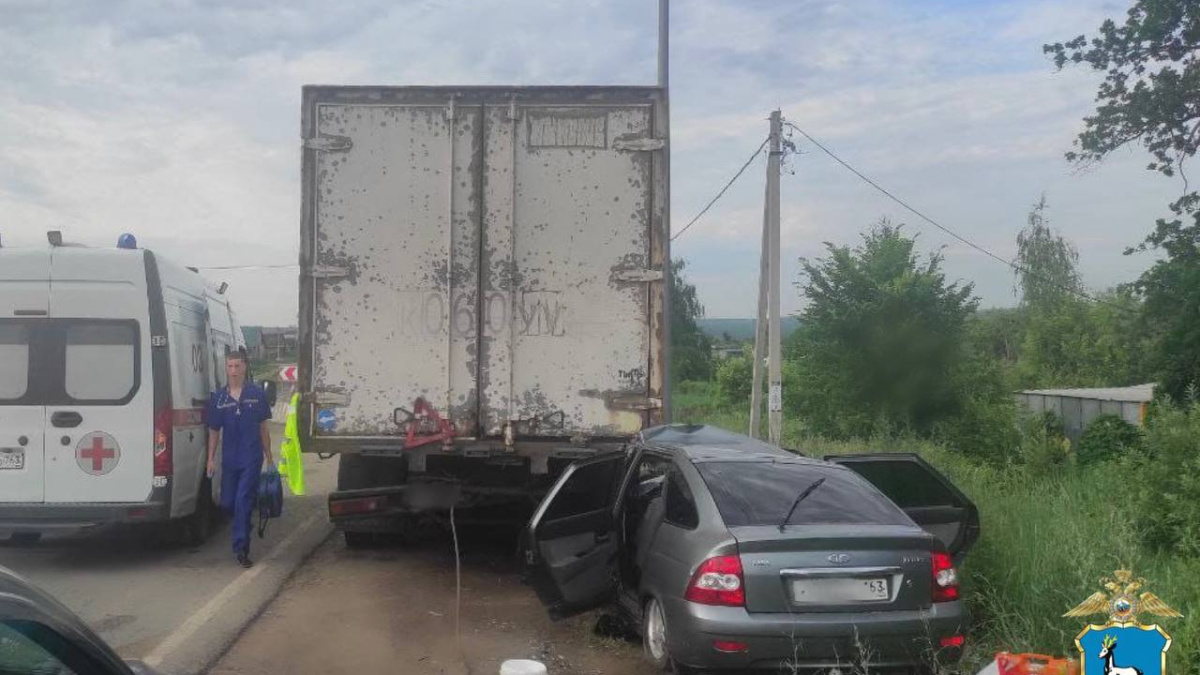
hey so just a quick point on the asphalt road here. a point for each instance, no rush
(394, 609)
(176, 607)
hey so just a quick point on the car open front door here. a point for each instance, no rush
(569, 546)
(928, 497)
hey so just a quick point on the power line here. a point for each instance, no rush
(1012, 264)
(722, 192)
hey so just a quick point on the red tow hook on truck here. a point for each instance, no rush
(422, 426)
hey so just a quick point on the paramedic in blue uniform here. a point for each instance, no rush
(237, 417)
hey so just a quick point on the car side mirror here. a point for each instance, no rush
(270, 391)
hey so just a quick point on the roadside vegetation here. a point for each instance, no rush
(890, 355)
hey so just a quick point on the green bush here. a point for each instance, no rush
(1042, 447)
(735, 379)
(985, 428)
(1105, 438)
(1166, 480)
(694, 399)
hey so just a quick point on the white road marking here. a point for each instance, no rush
(210, 609)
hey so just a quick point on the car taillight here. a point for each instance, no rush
(163, 429)
(718, 581)
(945, 579)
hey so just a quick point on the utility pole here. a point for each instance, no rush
(767, 341)
(760, 324)
(664, 53)
(664, 132)
(775, 383)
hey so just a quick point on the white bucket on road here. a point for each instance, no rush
(522, 667)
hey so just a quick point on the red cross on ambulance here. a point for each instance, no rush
(97, 453)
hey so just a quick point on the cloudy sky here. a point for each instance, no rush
(179, 121)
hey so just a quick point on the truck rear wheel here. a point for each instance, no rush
(360, 539)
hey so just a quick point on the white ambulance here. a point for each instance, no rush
(107, 358)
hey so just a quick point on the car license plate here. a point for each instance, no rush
(12, 458)
(839, 591)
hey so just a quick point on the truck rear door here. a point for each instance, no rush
(568, 268)
(497, 252)
(24, 304)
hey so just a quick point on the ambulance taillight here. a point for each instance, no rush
(163, 430)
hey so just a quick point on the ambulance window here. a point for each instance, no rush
(101, 361)
(14, 361)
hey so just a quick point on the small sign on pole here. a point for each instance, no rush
(287, 374)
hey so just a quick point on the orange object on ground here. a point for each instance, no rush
(1035, 664)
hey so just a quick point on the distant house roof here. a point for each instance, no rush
(1136, 393)
(252, 335)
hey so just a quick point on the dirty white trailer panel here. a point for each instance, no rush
(498, 252)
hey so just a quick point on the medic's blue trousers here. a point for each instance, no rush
(239, 496)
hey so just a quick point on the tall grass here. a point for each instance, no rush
(1046, 540)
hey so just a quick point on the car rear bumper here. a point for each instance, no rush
(880, 640)
(66, 517)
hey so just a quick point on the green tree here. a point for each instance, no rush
(996, 333)
(880, 342)
(691, 350)
(1046, 270)
(1067, 339)
(1151, 95)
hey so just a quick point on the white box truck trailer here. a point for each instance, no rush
(482, 292)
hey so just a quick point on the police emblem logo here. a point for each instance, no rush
(1123, 646)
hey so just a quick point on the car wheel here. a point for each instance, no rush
(654, 635)
(195, 528)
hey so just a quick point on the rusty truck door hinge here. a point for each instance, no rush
(638, 144)
(328, 272)
(329, 143)
(637, 275)
(326, 398)
(626, 402)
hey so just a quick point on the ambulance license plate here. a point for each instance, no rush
(12, 458)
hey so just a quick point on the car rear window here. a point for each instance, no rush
(100, 361)
(60, 361)
(14, 361)
(760, 493)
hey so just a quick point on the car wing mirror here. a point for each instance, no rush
(271, 392)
